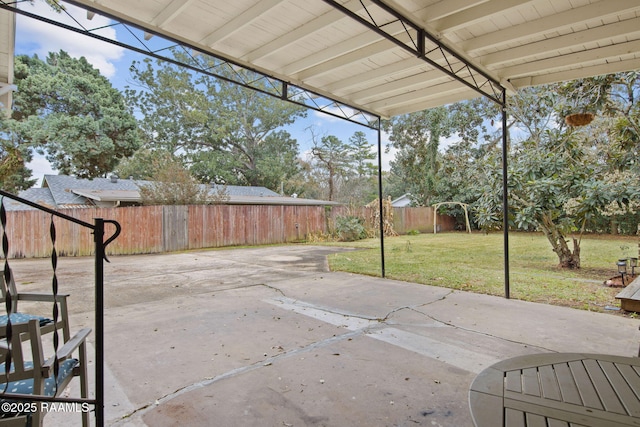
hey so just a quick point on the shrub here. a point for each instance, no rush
(350, 228)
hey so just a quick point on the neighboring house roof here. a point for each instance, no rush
(402, 201)
(65, 189)
(41, 196)
(61, 191)
(110, 195)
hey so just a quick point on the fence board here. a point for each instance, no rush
(155, 229)
(175, 231)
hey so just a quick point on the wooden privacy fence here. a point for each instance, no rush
(155, 229)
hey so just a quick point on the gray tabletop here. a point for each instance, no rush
(558, 389)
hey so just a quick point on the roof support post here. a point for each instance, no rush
(381, 213)
(505, 195)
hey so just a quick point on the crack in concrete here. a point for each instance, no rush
(381, 324)
(486, 334)
(411, 307)
(239, 371)
(415, 308)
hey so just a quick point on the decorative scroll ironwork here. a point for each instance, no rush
(54, 291)
(8, 296)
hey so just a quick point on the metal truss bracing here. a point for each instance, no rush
(380, 17)
(195, 59)
(390, 57)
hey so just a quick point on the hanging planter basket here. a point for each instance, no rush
(579, 119)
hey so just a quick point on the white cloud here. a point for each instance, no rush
(42, 38)
(324, 117)
(40, 167)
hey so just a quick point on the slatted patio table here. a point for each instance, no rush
(558, 390)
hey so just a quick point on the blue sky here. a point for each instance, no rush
(35, 37)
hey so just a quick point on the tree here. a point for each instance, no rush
(457, 178)
(616, 136)
(418, 165)
(416, 138)
(332, 157)
(339, 171)
(142, 164)
(546, 169)
(66, 110)
(225, 132)
(461, 162)
(272, 164)
(14, 175)
(542, 182)
(360, 184)
(362, 155)
(172, 184)
(560, 177)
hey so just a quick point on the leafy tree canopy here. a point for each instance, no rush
(416, 138)
(225, 132)
(341, 171)
(172, 184)
(332, 161)
(65, 109)
(563, 180)
(14, 175)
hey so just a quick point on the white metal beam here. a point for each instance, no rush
(451, 86)
(387, 89)
(436, 101)
(629, 28)
(445, 8)
(376, 75)
(239, 22)
(170, 12)
(345, 50)
(362, 46)
(476, 14)
(296, 35)
(577, 73)
(591, 57)
(556, 22)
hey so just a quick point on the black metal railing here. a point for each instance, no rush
(98, 230)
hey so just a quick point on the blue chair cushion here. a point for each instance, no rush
(24, 318)
(26, 386)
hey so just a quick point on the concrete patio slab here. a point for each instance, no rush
(269, 337)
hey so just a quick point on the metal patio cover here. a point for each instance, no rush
(397, 56)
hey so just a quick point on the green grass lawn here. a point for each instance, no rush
(475, 262)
